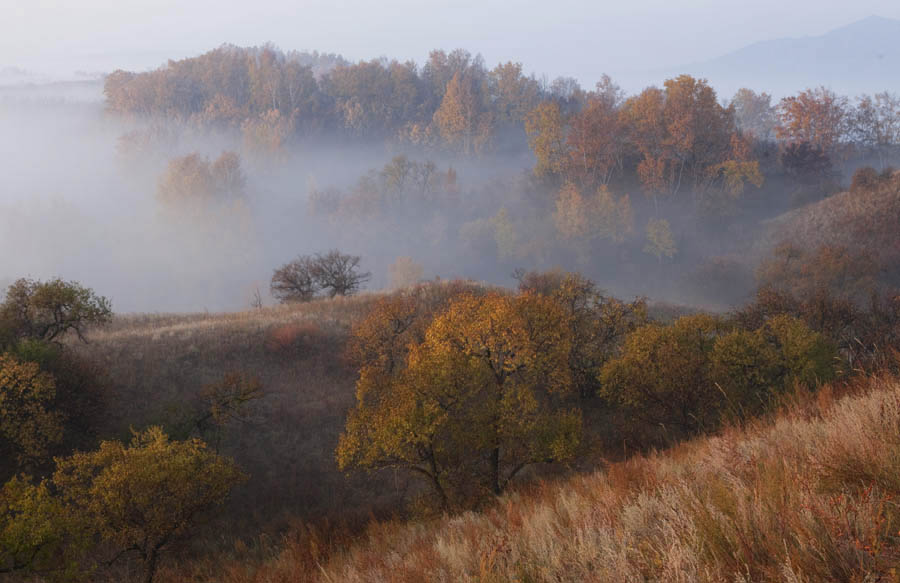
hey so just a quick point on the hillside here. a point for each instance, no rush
(157, 367)
(862, 57)
(807, 497)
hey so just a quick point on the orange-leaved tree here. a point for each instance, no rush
(484, 395)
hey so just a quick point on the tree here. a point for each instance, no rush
(598, 325)
(142, 497)
(335, 273)
(404, 272)
(338, 273)
(194, 180)
(584, 219)
(754, 113)
(594, 142)
(48, 310)
(660, 242)
(818, 117)
(482, 396)
(546, 137)
(29, 425)
(459, 119)
(754, 368)
(876, 123)
(661, 375)
(294, 281)
(37, 534)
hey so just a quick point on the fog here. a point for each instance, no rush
(74, 206)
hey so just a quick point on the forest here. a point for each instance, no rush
(467, 324)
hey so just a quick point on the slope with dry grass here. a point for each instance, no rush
(810, 496)
(158, 366)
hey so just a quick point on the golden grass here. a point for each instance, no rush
(809, 496)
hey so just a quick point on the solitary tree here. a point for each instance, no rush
(47, 310)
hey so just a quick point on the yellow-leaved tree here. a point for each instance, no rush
(484, 395)
(142, 497)
(28, 424)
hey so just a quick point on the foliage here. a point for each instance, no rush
(29, 425)
(47, 310)
(144, 496)
(37, 534)
(404, 272)
(194, 180)
(479, 396)
(817, 117)
(687, 377)
(546, 137)
(659, 239)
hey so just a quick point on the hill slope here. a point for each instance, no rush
(808, 497)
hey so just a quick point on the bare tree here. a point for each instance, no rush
(294, 281)
(333, 273)
(338, 274)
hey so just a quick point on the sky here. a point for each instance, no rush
(582, 39)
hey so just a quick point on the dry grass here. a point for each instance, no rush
(837, 220)
(158, 365)
(810, 496)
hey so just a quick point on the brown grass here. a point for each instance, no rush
(810, 496)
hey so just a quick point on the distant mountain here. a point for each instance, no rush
(863, 57)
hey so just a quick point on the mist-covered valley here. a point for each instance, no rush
(269, 315)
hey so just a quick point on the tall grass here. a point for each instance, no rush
(811, 495)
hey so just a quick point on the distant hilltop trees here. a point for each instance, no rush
(453, 100)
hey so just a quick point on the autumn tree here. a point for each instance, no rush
(599, 216)
(404, 272)
(547, 138)
(754, 113)
(38, 536)
(595, 142)
(876, 123)
(513, 94)
(754, 368)
(143, 497)
(693, 374)
(194, 180)
(482, 396)
(661, 376)
(29, 424)
(460, 120)
(48, 310)
(598, 325)
(660, 242)
(684, 138)
(818, 117)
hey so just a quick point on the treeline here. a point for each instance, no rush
(466, 387)
(453, 100)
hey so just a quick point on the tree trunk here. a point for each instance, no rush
(495, 471)
(151, 566)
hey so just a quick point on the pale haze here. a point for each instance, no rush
(567, 37)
